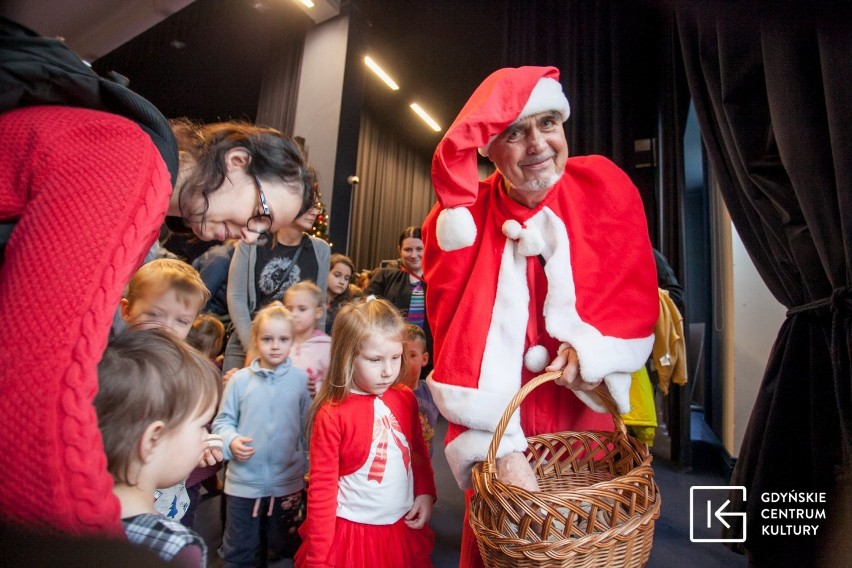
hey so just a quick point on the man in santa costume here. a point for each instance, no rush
(544, 265)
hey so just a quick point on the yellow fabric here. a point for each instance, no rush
(642, 417)
(669, 351)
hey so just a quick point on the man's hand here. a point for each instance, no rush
(568, 362)
(420, 512)
(241, 449)
(514, 469)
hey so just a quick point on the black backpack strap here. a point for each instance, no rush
(36, 70)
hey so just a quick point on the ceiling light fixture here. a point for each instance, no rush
(426, 118)
(381, 73)
(308, 3)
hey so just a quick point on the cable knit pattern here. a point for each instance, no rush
(89, 191)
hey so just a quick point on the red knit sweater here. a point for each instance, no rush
(88, 191)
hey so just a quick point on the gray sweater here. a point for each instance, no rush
(242, 292)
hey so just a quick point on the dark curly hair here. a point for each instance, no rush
(273, 155)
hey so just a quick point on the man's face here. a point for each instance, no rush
(531, 153)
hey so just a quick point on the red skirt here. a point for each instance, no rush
(358, 545)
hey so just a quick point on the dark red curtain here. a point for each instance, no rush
(772, 91)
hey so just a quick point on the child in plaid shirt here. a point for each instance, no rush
(155, 397)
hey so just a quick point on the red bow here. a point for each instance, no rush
(381, 427)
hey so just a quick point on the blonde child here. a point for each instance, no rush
(155, 397)
(167, 294)
(371, 484)
(338, 290)
(262, 419)
(311, 347)
(417, 358)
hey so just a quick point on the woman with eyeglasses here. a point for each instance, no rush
(86, 176)
(97, 179)
(261, 273)
(238, 180)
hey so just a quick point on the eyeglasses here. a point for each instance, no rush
(262, 222)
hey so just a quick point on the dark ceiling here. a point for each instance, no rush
(436, 50)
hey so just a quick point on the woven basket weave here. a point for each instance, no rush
(597, 503)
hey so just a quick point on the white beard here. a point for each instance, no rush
(540, 184)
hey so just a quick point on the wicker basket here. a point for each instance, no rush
(596, 506)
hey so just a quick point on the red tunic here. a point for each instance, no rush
(508, 284)
(593, 286)
(88, 191)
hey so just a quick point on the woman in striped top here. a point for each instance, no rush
(405, 287)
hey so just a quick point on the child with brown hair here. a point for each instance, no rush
(167, 294)
(311, 346)
(206, 335)
(339, 289)
(155, 397)
(417, 358)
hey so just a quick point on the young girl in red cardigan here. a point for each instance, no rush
(371, 486)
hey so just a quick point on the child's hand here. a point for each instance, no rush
(227, 376)
(313, 382)
(420, 512)
(241, 449)
(212, 451)
(211, 457)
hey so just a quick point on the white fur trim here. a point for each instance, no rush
(546, 95)
(601, 355)
(619, 388)
(536, 358)
(530, 243)
(473, 408)
(503, 356)
(455, 229)
(485, 149)
(471, 446)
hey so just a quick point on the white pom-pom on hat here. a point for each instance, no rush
(455, 229)
(547, 95)
(536, 358)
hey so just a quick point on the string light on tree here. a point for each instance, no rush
(320, 228)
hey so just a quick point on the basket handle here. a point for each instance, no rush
(601, 390)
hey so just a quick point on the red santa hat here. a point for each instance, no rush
(505, 96)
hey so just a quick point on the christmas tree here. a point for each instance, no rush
(320, 228)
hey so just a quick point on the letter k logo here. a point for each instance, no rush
(707, 516)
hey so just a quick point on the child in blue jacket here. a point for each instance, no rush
(261, 419)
